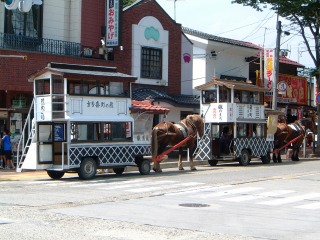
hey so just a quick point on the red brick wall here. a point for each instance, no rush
(152, 8)
(92, 18)
(14, 71)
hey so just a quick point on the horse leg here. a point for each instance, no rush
(279, 157)
(180, 167)
(192, 167)
(295, 155)
(156, 166)
(274, 158)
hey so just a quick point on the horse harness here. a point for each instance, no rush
(296, 128)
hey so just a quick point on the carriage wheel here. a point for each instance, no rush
(56, 175)
(213, 162)
(144, 167)
(118, 171)
(266, 159)
(245, 158)
(88, 169)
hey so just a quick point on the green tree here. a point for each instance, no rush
(305, 14)
(128, 2)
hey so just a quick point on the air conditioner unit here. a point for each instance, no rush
(163, 83)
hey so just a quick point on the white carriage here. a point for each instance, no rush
(235, 123)
(81, 121)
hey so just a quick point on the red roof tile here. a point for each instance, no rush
(284, 60)
(146, 106)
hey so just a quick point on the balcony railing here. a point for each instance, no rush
(43, 45)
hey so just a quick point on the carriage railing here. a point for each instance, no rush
(25, 140)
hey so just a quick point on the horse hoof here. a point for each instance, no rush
(193, 169)
(181, 169)
(157, 170)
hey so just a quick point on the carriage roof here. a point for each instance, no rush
(232, 84)
(77, 72)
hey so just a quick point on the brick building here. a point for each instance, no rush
(152, 48)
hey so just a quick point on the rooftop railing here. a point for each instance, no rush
(43, 45)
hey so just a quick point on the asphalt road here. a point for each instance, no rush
(273, 201)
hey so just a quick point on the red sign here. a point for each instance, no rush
(296, 89)
(318, 98)
(291, 89)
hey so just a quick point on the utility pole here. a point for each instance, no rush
(276, 68)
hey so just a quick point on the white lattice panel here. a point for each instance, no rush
(121, 154)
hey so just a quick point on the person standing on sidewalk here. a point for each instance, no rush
(7, 150)
(2, 162)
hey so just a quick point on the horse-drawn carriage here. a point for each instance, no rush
(83, 119)
(235, 123)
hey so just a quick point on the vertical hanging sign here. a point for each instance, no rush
(269, 73)
(112, 23)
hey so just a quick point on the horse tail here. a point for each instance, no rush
(154, 143)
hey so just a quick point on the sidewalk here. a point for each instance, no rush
(12, 175)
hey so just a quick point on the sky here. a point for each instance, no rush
(235, 21)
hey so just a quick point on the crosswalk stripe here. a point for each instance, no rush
(200, 190)
(310, 206)
(91, 183)
(230, 192)
(257, 196)
(132, 185)
(148, 189)
(291, 199)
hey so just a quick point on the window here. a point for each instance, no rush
(57, 84)
(100, 131)
(24, 24)
(245, 98)
(42, 86)
(97, 88)
(209, 96)
(242, 130)
(151, 63)
(224, 94)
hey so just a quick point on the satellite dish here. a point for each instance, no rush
(11, 4)
(25, 5)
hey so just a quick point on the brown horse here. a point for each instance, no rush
(288, 132)
(169, 134)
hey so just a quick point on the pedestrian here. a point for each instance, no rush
(2, 162)
(7, 150)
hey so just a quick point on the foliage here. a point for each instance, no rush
(128, 2)
(303, 13)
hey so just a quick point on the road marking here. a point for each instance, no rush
(99, 183)
(178, 185)
(138, 185)
(292, 199)
(201, 190)
(257, 196)
(310, 206)
(230, 192)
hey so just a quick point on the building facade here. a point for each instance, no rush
(152, 47)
